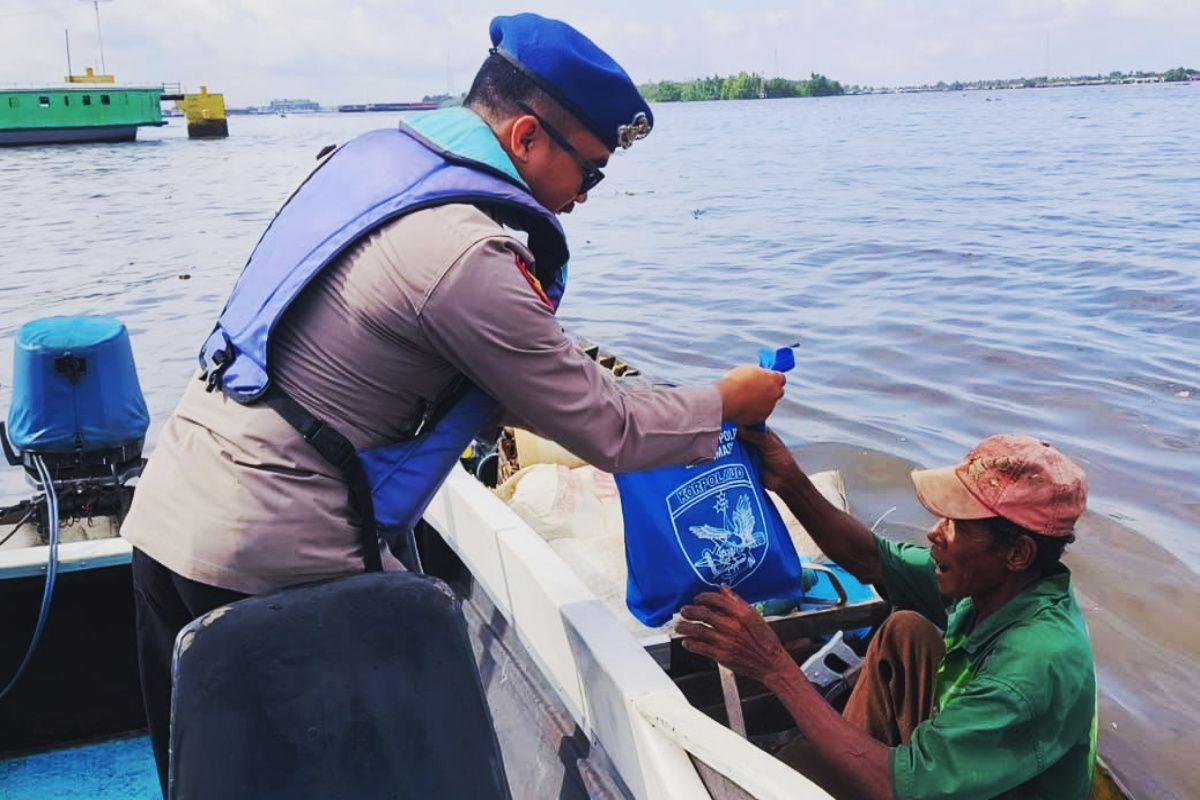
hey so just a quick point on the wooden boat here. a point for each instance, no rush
(583, 705)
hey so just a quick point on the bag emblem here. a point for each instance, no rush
(718, 521)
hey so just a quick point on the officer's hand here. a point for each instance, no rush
(749, 394)
(779, 467)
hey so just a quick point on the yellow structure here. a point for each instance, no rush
(89, 76)
(205, 114)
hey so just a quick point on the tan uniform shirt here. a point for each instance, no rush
(233, 497)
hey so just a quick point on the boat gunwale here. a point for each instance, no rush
(600, 670)
(101, 88)
(22, 562)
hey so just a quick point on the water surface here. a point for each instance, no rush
(952, 265)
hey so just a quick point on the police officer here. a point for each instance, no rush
(400, 300)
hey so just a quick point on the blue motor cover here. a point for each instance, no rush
(75, 386)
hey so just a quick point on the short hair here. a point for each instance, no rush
(1049, 549)
(500, 86)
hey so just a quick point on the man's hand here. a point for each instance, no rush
(721, 626)
(749, 394)
(779, 465)
(851, 764)
(840, 536)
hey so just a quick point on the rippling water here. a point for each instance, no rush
(952, 265)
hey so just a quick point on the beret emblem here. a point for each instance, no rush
(637, 128)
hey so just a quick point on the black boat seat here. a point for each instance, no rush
(364, 687)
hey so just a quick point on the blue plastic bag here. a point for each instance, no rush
(690, 529)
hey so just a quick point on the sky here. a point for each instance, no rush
(343, 51)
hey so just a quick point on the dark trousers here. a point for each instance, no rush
(165, 602)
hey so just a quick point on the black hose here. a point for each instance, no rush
(20, 524)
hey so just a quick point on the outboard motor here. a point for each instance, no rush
(78, 407)
(76, 425)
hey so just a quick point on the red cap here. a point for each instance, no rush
(1024, 480)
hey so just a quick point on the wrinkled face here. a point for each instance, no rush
(554, 174)
(968, 560)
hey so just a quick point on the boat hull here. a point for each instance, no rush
(83, 680)
(91, 134)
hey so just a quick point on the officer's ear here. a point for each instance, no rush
(522, 137)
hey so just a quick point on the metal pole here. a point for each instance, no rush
(100, 36)
(67, 34)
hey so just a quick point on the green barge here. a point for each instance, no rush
(95, 112)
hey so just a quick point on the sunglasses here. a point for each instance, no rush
(591, 175)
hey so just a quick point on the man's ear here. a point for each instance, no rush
(1021, 555)
(521, 136)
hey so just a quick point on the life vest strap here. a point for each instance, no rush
(338, 451)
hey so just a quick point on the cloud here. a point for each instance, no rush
(362, 50)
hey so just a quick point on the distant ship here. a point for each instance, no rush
(288, 106)
(423, 105)
(87, 108)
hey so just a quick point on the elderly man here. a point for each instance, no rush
(402, 298)
(981, 684)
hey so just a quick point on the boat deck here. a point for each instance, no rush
(117, 769)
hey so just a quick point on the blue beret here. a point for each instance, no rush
(584, 79)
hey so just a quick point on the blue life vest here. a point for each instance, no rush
(444, 157)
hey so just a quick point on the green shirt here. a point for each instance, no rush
(1015, 714)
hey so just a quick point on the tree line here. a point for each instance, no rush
(743, 86)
